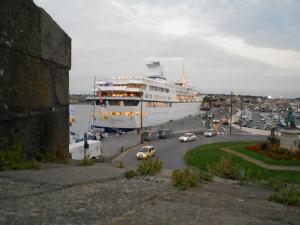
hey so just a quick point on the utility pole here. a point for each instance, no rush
(94, 102)
(230, 116)
(241, 112)
(141, 121)
(207, 125)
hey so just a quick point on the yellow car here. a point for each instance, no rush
(146, 152)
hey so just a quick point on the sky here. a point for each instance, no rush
(245, 46)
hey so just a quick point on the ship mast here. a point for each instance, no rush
(183, 77)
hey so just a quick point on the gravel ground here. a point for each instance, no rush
(104, 196)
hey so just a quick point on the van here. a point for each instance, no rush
(165, 133)
(150, 135)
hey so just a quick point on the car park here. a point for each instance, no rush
(224, 120)
(210, 133)
(256, 126)
(150, 135)
(215, 120)
(165, 133)
(146, 152)
(187, 137)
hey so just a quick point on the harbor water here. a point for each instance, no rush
(83, 117)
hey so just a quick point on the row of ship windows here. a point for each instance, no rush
(157, 96)
(154, 88)
(136, 102)
(116, 113)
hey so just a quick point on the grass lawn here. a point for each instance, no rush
(204, 155)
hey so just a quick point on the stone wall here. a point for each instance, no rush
(289, 140)
(35, 59)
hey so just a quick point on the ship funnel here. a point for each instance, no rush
(155, 69)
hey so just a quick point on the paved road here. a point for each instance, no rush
(171, 151)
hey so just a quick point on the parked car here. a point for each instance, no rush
(146, 152)
(210, 133)
(224, 120)
(150, 135)
(210, 115)
(165, 133)
(215, 120)
(187, 137)
(256, 126)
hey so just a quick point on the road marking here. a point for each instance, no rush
(125, 153)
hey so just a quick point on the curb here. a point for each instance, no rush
(116, 157)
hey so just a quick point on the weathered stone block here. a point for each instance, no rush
(55, 43)
(55, 128)
(25, 131)
(60, 79)
(19, 26)
(25, 83)
(35, 57)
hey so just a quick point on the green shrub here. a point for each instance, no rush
(57, 155)
(205, 176)
(12, 157)
(130, 174)
(227, 169)
(150, 167)
(287, 195)
(62, 154)
(183, 179)
(264, 146)
(273, 140)
(276, 183)
(87, 162)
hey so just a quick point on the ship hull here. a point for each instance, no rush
(152, 116)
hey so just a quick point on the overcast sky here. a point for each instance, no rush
(245, 46)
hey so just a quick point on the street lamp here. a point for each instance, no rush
(141, 120)
(241, 112)
(230, 117)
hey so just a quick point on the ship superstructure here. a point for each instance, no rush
(118, 100)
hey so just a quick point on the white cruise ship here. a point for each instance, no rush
(118, 101)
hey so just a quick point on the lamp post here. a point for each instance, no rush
(241, 112)
(141, 120)
(230, 115)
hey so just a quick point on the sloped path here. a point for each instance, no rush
(261, 163)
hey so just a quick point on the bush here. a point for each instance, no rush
(130, 174)
(205, 176)
(87, 162)
(273, 140)
(287, 195)
(150, 167)
(182, 179)
(276, 183)
(264, 146)
(58, 155)
(226, 169)
(12, 158)
(62, 154)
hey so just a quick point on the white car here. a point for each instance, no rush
(210, 133)
(188, 137)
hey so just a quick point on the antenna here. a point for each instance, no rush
(182, 78)
(94, 102)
